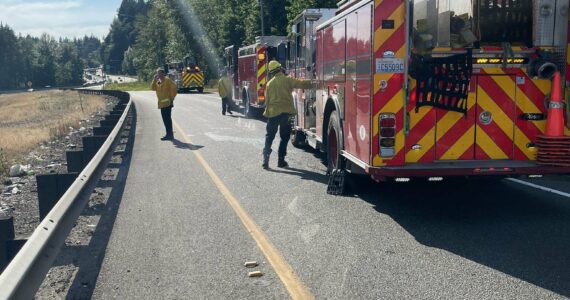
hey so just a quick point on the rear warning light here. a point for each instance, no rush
(435, 179)
(387, 143)
(387, 133)
(402, 179)
(388, 122)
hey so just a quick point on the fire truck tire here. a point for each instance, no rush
(334, 142)
(200, 90)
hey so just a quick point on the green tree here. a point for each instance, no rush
(128, 65)
(45, 67)
(8, 57)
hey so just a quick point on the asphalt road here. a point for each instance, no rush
(177, 234)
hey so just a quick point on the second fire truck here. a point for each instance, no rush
(429, 88)
(187, 75)
(247, 68)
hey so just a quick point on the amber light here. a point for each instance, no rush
(261, 56)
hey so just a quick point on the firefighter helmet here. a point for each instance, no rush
(274, 65)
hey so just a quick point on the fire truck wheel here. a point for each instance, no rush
(200, 90)
(334, 143)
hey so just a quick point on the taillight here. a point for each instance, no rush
(387, 134)
(388, 122)
(261, 93)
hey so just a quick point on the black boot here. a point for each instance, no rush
(281, 163)
(266, 155)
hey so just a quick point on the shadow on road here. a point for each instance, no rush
(181, 145)
(520, 232)
(303, 174)
(89, 258)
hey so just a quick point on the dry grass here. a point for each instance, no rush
(29, 119)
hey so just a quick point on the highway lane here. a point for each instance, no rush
(454, 239)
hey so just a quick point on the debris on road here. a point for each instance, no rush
(251, 264)
(255, 274)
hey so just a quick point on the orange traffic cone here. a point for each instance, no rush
(555, 118)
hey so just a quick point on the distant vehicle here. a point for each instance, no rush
(187, 75)
(247, 67)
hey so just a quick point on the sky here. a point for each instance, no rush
(59, 18)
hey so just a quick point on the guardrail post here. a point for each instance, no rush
(108, 122)
(50, 188)
(75, 163)
(102, 130)
(91, 145)
(120, 107)
(112, 117)
(6, 234)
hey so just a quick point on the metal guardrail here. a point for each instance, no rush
(23, 276)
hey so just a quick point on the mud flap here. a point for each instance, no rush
(337, 182)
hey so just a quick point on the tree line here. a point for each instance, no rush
(147, 34)
(44, 60)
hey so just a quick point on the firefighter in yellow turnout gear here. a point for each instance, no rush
(225, 91)
(165, 92)
(279, 108)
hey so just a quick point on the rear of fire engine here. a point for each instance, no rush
(248, 71)
(431, 88)
(189, 76)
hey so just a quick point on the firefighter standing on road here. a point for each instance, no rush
(279, 108)
(165, 92)
(225, 91)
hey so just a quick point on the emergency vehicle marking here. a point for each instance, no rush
(460, 148)
(453, 127)
(567, 63)
(422, 132)
(523, 129)
(261, 73)
(391, 99)
(197, 79)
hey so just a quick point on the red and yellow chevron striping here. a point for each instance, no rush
(191, 79)
(261, 72)
(391, 99)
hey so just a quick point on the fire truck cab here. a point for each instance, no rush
(431, 88)
(247, 68)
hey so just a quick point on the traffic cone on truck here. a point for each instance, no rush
(554, 146)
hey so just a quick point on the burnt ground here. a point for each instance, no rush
(63, 281)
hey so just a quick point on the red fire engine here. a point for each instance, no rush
(247, 67)
(429, 88)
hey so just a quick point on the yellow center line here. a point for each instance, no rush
(294, 286)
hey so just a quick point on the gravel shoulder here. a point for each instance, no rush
(19, 199)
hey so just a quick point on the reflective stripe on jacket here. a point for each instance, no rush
(278, 98)
(164, 90)
(224, 87)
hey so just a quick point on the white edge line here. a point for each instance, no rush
(540, 187)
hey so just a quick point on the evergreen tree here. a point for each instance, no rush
(8, 57)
